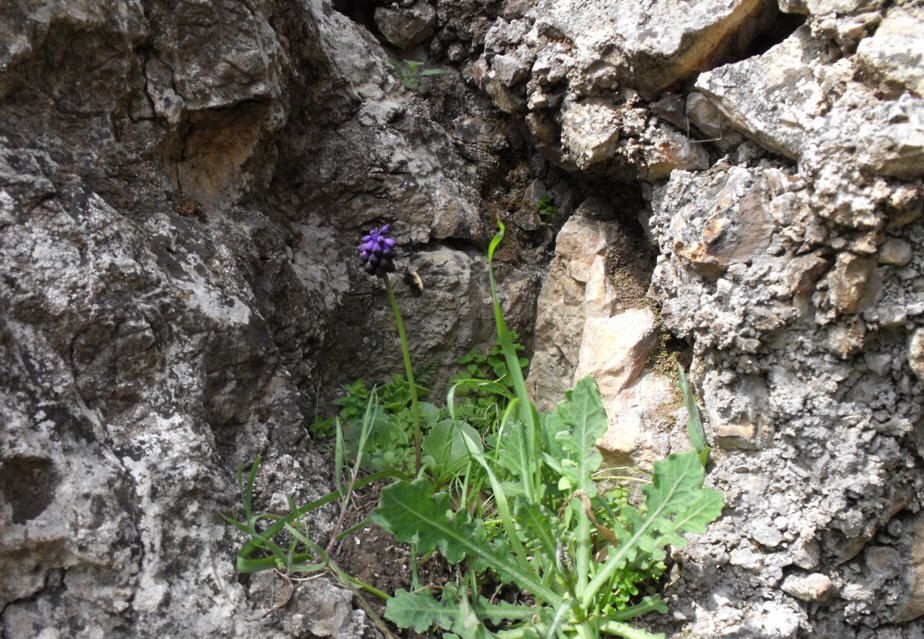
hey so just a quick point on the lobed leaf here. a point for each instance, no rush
(676, 503)
(453, 612)
(410, 512)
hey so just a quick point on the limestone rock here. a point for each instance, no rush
(914, 606)
(782, 326)
(804, 271)
(704, 115)
(574, 289)
(640, 421)
(788, 106)
(895, 251)
(738, 230)
(850, 281)
(916, 352)
(773, 97)
(406, 26)
(811, 587)
(614, 349)
(893, 143)
(590, 131)
(591, 68)
(583, 329)
(651, 47)
(182, 190)
(894, 55)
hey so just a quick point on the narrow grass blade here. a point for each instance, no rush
(695, 430)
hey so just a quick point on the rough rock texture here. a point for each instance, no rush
(573, 71)
(182, 188)
(800, 290)
(792, 267)
(590, 323)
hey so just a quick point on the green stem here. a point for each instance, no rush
(415, 405)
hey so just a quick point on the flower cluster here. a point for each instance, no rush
(377, 252)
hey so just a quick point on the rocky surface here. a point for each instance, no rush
(181, 189)
(789, 266)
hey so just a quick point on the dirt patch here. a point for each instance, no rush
(373, 556)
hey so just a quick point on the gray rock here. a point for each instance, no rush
(181, 193)
(811, 587)
(406, 26)
(894, 55)
(590, 130)
(774, 98)
(893, 143)
(641, 43)
(916, 352)
(780, 330)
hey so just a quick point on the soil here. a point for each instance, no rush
(373, 556)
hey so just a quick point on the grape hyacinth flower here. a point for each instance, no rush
(377, 253)
(377, 256)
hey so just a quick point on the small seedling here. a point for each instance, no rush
(546, 207)
(412, 73)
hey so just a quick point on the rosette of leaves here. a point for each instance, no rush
(549, 530)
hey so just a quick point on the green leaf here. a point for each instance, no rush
(541, 525)
(676, 503)
(578, 423)
(619, 629)
(695, 430)
(527, 412)
(454, 612)
(419, 611)
(512, 451)
(410, 512)
(445, 444)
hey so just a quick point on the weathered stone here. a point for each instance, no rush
(737, 231)
(913, 607)
(563, 306)
(181, 193)
(893, 143)
(589, 131)
(666, 150)
(916, 352)
(705, 116)
(847, 340)
(316, 607)
(640, 419)
(804, 271)
(841, 7)
(849, 282)
(895, 251)
(509, 70)
(773, 97)
(653, 50)
(894, 55)
(765, 533)
(732, 436)
(905, 204)
(812, 587)
(792, 414)
(614, 349)
(406, 26)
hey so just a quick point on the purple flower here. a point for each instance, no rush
(377, 252)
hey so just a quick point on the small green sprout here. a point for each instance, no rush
(412, 73)
(546, 207)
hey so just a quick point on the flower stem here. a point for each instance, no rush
(415, 405)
